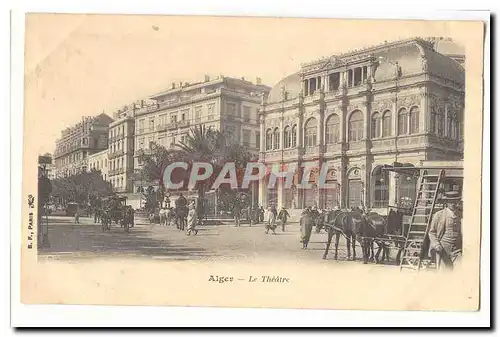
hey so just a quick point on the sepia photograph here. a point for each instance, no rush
(252, 162)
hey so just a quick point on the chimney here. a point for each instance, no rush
(259, 81)
(242, 78)
(207, 78)
(180, 84)
(173, 85)
(142, 103)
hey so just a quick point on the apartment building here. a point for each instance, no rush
(78, 142)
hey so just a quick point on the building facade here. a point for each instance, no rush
(99, 161)
(78, 142)
(121, 150)
(397, 102)
(227, 104)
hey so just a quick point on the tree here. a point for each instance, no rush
(153, 164)
(208, 145)
(84, 187)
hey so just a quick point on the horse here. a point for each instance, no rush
(105, 221)
(163, 216)
(346, 223)
(396, 227)
(354, 225)
(181, 217)
(374, 228)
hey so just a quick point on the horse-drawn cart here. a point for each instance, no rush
(434, 182)
(117, 211)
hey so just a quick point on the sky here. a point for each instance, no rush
(81, 65)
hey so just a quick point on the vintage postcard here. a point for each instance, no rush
(252, 162)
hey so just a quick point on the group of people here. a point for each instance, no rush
(258, 214)
(184, 215)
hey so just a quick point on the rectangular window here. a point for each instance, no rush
(140, 144)
(173, 119)
(246, 137)
(211, 111)
(197, 114)
(152, 124)
(184, 114)
(354, 190)
(246, 114)
(140, 127)
(231, 109)
(162, 120)
(257, 139)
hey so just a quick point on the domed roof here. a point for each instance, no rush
(292, 86)
(409, 59)
(447, 47)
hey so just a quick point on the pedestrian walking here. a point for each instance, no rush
(283, 216)
(271, 220)
(192, 219)
(261, 214)
(237, 213)
(77, 217)
(255, 215)
(306, 225)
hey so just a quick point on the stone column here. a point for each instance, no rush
(282, 145)
(446, 108)
(392, 188)
(326, 83)
(281, 194)
(366, 121)
(262, 134)
(424, 114)
(263, 192)
(394, 117)
(343, 125)
(305, 85)
(300, 130)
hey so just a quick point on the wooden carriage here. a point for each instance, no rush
(435, 179)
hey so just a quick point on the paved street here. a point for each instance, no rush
(223, 242)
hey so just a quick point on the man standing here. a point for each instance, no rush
(445, 233)
(283, 216)
(237, 212)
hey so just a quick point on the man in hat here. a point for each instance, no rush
(283, 216)
(445, 232)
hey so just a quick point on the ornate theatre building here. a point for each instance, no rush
(401, 101)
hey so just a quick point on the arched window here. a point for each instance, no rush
(332, 129)
(276, 135)
(450, 123)
(407, 190)
(387, 124)
(433, 120)
(460, 123)
(356, 126)
(440, 120)
(375, 125)
(287, 138)
(402, 122)
(311, 132)
(294, 136)
(414, 119)
(380, 183)
(269, 139)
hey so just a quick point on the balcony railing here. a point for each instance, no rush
(115, 154)
(142, 151)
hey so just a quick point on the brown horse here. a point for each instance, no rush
(355, 225)
(346, 223)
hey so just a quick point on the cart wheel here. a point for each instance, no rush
(412, 254)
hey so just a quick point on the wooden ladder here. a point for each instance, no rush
(423, 209)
